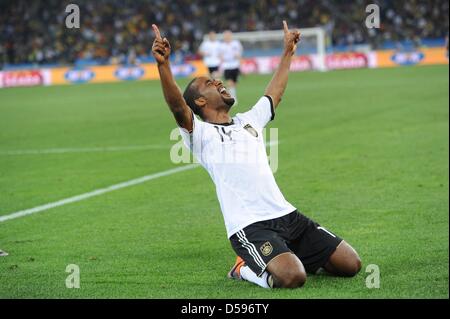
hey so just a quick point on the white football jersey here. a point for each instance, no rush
(230, 53)
(235, 157)
(211, 50)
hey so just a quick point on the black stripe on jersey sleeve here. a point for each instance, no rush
(272, 110)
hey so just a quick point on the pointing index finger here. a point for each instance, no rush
(157, 33)
(285, 26)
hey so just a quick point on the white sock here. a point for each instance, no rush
(249, 275)
(233, 92)
(320, 271)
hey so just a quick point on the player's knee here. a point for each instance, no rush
(356, 265)
(353, 266)
(293, 280)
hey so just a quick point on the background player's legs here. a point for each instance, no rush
(215, 74)
(344, 261)
(231, 85)
(231, 76)
(287, 271)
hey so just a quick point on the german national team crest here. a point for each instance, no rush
(251, 130)
(266, 248)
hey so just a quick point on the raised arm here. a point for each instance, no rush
(279, 80)
(172, 93)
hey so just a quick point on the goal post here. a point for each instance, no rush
(270, 43)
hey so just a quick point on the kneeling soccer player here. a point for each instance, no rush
(276, 245)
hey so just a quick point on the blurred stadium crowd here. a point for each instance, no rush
(112, 30)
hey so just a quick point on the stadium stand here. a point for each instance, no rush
(34, 32)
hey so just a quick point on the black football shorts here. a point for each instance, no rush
(260, 242)
(231, 74)
(213, 69)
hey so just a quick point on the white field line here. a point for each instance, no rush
(96, 192)
(85, 149)
(101, 191)
(94, 149)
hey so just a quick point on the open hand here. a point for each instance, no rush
(291, 38)
(161, 47)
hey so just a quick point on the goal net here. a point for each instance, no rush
(268, 45)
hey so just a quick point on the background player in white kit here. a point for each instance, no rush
(230, 56)
(276, 245)
(210, 51)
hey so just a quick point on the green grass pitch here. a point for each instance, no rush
(363, 152)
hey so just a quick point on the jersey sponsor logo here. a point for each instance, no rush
(251, 130)
(266, 248)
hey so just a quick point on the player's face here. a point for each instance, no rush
(215, 92)
(227, 36)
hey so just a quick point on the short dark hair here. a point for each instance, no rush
(190, 95)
